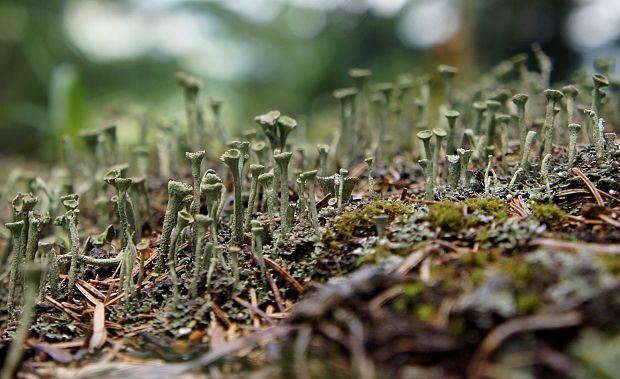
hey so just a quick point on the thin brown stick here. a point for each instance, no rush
(254, 302)
(609, 220)
(91, 289)
(590, 185)
(219, 313)
(285, 275)
(323, 202)
(581, 191)
(73, 315)
(276, 292)
(256, 310)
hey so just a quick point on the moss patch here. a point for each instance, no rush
(446, 215)
(489, 205)
(548, 213)
(527, 302)
(359, 222)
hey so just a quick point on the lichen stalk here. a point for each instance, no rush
(202, 225)
(16, 229)
(282, 160)
(439, 137)
(234, 265)
(573, 130)
(231, 158)
(465, 156)
(32, 276)
(520, 100)
(570, 93)
(183, 220)
(257, 239)
(427, 166)
(36, 225)
(256, 170)
(212, 188)
(176, 192)
(453, 163)
(479, 108)
(525, 152)
(553, 96)
(195, 159)
(323, 152)
(341, 178)
(141, 247)
(70, 222)
(310, 177)
(492, 107)
(545, 168)
(370, 162)
(600, 82)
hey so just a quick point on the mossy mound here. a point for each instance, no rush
(548, 213)
(447, 215)
(489, 205)
(452, 217)
(359, 222)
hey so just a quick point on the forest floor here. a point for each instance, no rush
(509, 285)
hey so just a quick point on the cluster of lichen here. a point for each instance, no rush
(466, 156)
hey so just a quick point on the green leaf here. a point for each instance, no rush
(67, 99)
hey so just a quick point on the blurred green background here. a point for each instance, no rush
(71, 64)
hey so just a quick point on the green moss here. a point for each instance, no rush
(483, 234)
(527, 302)
(548, 213)
(450, 216)
(519, 271)
(400, 304)
(413, 289)
(359, 222)
(477, 258)
(446, 215)
(367, 259)
(477, 276)
(489, 205)
(424, 312)
(480, 258)
(611, 263)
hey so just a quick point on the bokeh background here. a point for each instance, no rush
(71, 64)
